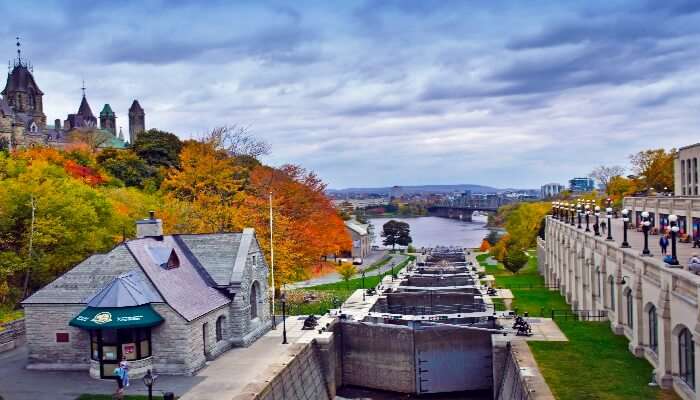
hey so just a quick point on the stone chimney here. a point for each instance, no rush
(150, 227)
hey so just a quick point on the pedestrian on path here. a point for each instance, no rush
(663, 242)
(120, 373)
(124, 365)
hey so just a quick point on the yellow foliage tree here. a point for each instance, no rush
(485, 246)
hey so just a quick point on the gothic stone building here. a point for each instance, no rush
(23, 122)
(166, 303)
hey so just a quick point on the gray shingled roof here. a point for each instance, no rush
(183, 288)
(127, 290)
(216, 253)
(79, 284)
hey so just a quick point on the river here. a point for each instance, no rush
(432, 231)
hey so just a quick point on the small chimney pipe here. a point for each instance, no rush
(152, 214)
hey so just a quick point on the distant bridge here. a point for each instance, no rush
(463, 208)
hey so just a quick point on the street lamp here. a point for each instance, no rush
(646, 224)
(674, 231)
(363, 285)
(588, 213)
(596, 227)
(579, 211)
(554, 209)
(608, 214)
(572, 212)
(283, 300)
(625, 222)
(148, 380)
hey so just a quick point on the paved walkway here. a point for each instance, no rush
(334, 277)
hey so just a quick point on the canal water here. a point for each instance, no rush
(432, 231)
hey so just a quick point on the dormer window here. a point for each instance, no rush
(164, 257)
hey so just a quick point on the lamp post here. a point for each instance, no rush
(596, 227)
(608, 214)
(572, 212)
(588, 213)
(625, 221)
(672, 219)
(363, 285)
(554, 209)
(149, 379)
(645, 228)
(579, 211)
(283, 300)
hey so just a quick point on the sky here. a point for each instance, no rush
(382, 93)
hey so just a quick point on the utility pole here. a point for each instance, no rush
(31, 248)
(272, 264)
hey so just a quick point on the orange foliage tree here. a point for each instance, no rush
(306, 226)
(485, 246)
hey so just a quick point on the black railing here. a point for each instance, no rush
(432, 310)
(529, 286)
(580, 315)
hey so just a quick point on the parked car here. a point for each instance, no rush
(357, 261)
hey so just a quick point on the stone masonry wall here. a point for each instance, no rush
(12, 334)
(42, 322)
(301, 379)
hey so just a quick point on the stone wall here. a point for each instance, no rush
(373, 352)
(12, 335)
(597, 275)
(42, 323)
(301, 379)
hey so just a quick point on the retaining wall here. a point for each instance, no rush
(12, 335)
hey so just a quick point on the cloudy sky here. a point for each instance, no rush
(365, 93)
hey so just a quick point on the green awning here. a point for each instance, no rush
(117, 317)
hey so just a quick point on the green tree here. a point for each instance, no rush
(127, 167)
(396, 232)
(515, 259)
(347, 271)
(493, 237)
(158, 148)
(71, 220)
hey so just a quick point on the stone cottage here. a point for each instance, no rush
(166, 303)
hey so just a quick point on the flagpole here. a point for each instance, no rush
(272, 265)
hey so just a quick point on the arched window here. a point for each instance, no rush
(220, 328)
(254, 295)
(630, 308)
(611, 282)
(653, 329)
(686, 357)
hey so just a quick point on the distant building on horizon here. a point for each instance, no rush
(581, 185)
(551, 190)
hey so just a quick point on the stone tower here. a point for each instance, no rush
(108, 121)
(137, 121)
(22, 93)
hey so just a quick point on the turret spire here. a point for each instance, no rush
(19, 51)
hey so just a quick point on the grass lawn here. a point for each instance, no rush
(109, 397)
(595, 363)
(338, 290)
(7, 315)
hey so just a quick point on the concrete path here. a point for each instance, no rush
(335, 277)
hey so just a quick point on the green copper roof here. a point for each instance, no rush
(117, 317)
(106, 111)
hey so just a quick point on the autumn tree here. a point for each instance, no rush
(604, 174)
(654, 168)
(92, 137)
(485, 246)
(347, 271)
(205, 189)
(239, 142)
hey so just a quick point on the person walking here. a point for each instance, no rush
(124, 365)
(663, 242)
(119, 372)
